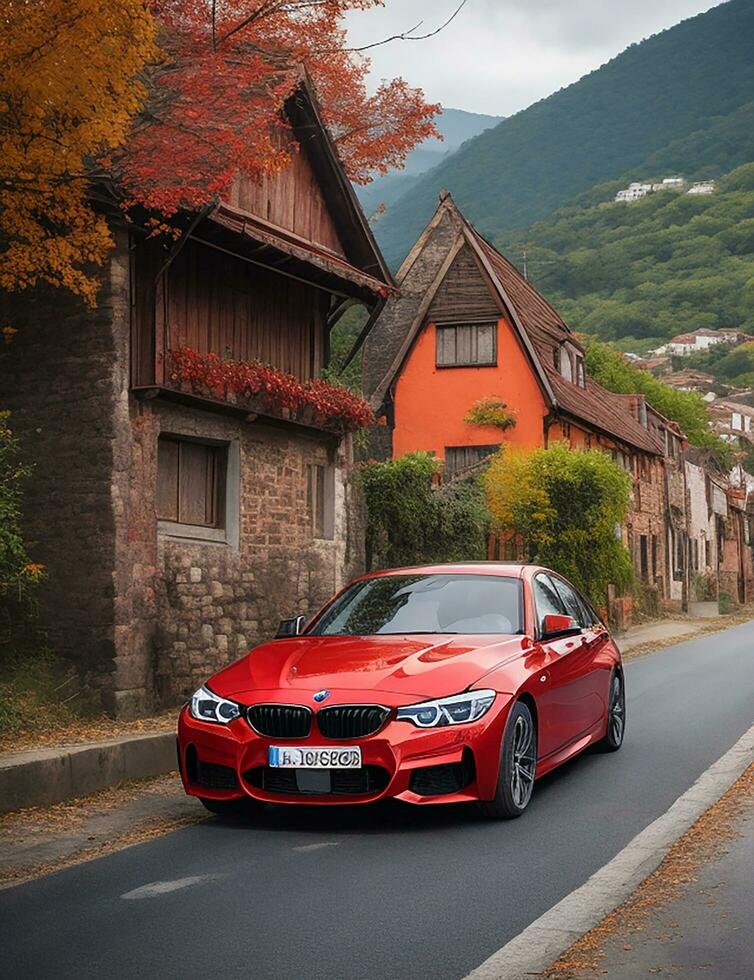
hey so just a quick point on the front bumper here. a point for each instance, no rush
(438, 765)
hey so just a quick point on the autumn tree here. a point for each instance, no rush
(70, 86)
(215, 102)
(160, 103)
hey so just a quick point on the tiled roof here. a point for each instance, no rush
(595, 405)
(603, 409)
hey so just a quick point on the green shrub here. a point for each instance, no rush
(725, 604)
(412, 521)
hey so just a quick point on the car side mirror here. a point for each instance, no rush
(555, 625)
(290, 627)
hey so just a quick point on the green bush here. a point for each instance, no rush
(411, 521)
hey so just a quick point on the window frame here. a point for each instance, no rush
(226, 529)
(537, 618)
(586, 613)
(473, 325)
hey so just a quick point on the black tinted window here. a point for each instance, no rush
(574, 606)
(546, 600)
(443, 603)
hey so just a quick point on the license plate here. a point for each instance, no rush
(304, 757)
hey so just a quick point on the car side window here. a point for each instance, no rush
(547, 602)
(574, 606)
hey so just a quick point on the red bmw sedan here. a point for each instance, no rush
(435, 684)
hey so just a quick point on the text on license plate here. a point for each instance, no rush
(303, 757)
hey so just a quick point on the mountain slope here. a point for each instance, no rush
(654, 95)
(456, 126)
(639, 273)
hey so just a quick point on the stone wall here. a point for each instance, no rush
(57, 378)
(144, 616)
(215, 601)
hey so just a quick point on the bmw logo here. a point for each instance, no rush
(321, 696)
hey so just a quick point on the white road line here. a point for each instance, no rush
(155, 889)
(542, 942)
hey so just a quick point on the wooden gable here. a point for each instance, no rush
(464, 294)
(292, 199)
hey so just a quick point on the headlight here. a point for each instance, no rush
(207, 706)
(456, 710)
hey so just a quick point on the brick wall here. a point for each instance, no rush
(646, 519)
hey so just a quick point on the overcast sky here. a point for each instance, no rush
(499, 56)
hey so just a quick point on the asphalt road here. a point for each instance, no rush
(385, 891)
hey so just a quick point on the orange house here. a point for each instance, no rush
(468, 326)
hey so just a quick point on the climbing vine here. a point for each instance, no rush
(18, 575)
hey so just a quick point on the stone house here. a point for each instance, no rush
(180, 520)
(467, 325)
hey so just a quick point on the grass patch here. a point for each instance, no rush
(40, 693)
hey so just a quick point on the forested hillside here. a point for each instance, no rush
(641, 272)
(681, 100)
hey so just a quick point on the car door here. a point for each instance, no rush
(559, 692)
(591, 673)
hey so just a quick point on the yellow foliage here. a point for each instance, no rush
(515, 501)
(70, 87)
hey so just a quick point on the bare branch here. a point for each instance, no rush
(409, 34)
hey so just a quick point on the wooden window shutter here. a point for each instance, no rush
(191, 482)
(466, 345)
(446, 346)
(195, 496)
(485, 333)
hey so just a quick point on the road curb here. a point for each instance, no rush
(547, 938)
(43, 776)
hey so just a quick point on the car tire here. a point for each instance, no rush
(518, 762)
(232, 808)
(616, 715)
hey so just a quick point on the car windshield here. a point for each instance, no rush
(442, 603)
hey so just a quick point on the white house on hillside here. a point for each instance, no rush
(699, 340)
(702, 187)
(638, 190)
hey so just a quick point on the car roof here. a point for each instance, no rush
(509, 569)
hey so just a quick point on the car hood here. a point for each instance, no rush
(421, 666)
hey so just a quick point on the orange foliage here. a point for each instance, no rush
(69, 89)
(216, 98)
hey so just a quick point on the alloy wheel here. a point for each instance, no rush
(524, 761)
(617, 710)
